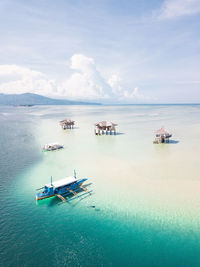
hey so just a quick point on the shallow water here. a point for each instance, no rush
(144, 210)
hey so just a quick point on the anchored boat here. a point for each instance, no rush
(50, 147)
(63, 188)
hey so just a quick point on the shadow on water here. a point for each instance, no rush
(173, 142)
(119, 133)
(110, 134)
(78, 200)
(167, 143)
(70, 129)
(74, 128)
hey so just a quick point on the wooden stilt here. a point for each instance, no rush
(62, 198)
(104, 127)
(84, 189)
(74, 193)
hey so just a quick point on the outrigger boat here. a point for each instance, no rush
(51, 147)
(63, 188)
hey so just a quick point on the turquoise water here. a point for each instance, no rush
(146, 196)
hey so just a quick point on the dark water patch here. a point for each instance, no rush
(18, 150)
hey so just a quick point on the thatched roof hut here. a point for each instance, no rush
(67, 124)
(102, 126)
(162, 136)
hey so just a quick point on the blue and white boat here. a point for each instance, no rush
(61, 188)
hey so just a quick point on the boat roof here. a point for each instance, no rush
(62, 182)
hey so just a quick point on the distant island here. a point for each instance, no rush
(29, 99)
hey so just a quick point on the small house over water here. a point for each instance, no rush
(67, 124)
(162, 136)
(105, 127)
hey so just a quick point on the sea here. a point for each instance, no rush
(144, 208)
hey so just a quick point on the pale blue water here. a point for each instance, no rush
(146, 197)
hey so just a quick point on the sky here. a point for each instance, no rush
(111, 51)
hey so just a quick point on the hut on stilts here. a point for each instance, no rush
(162, 136)
(67, 124)
(104, 127)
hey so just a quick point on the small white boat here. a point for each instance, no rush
(53, 146)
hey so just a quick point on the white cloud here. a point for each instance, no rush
(114, 82)
(16, 80)
(17, 70)
(82, 63)
(125, 95)
(134, 94)
(85, 83)
(177, 8)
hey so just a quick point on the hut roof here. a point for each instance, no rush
(66, 121)
(105, 124)
(162, 131)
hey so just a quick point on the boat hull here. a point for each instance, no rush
(43, 197)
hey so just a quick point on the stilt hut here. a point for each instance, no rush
(162, 136)
(104, 127)
(67, 124)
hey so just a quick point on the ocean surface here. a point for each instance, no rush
(145, 206)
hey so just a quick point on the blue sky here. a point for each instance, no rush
(137, 51)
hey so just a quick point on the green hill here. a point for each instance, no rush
(34, 99)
